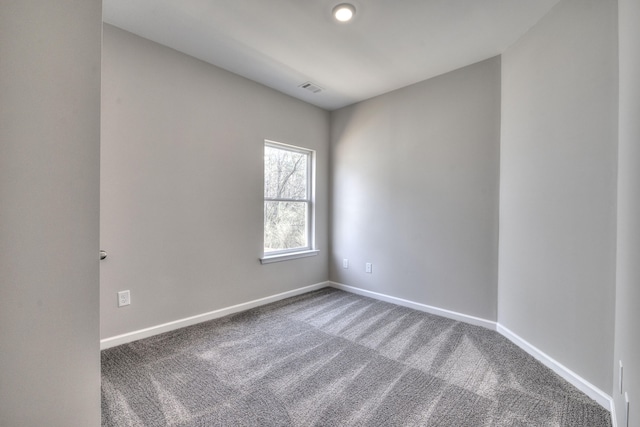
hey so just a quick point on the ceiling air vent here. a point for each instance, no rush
(311, 87)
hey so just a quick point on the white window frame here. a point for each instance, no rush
(310, 249)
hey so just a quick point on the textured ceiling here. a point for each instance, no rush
(284, 43)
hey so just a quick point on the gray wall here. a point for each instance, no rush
(49, 210)
(181, 182)
(415, 191)
(558, 187)
(627, 341)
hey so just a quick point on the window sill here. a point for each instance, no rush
(268, 259)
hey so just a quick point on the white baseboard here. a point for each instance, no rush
(181, 323)
(576, 380)
(418, 306)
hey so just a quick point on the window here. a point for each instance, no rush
(288, 202)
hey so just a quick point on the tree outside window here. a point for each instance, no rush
(287, 198)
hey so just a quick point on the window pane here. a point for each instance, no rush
(285, 174)
(285, 225)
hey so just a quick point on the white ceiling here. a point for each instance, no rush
(284, 43)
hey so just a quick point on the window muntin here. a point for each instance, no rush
(288, 203)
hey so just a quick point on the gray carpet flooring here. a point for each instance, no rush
(331, 358)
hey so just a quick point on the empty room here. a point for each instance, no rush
(297, 213)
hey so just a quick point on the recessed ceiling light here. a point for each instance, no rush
(344, 12)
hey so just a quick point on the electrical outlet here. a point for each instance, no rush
(368, 268)
(620, 376)
(345, 263)
(124, 298)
